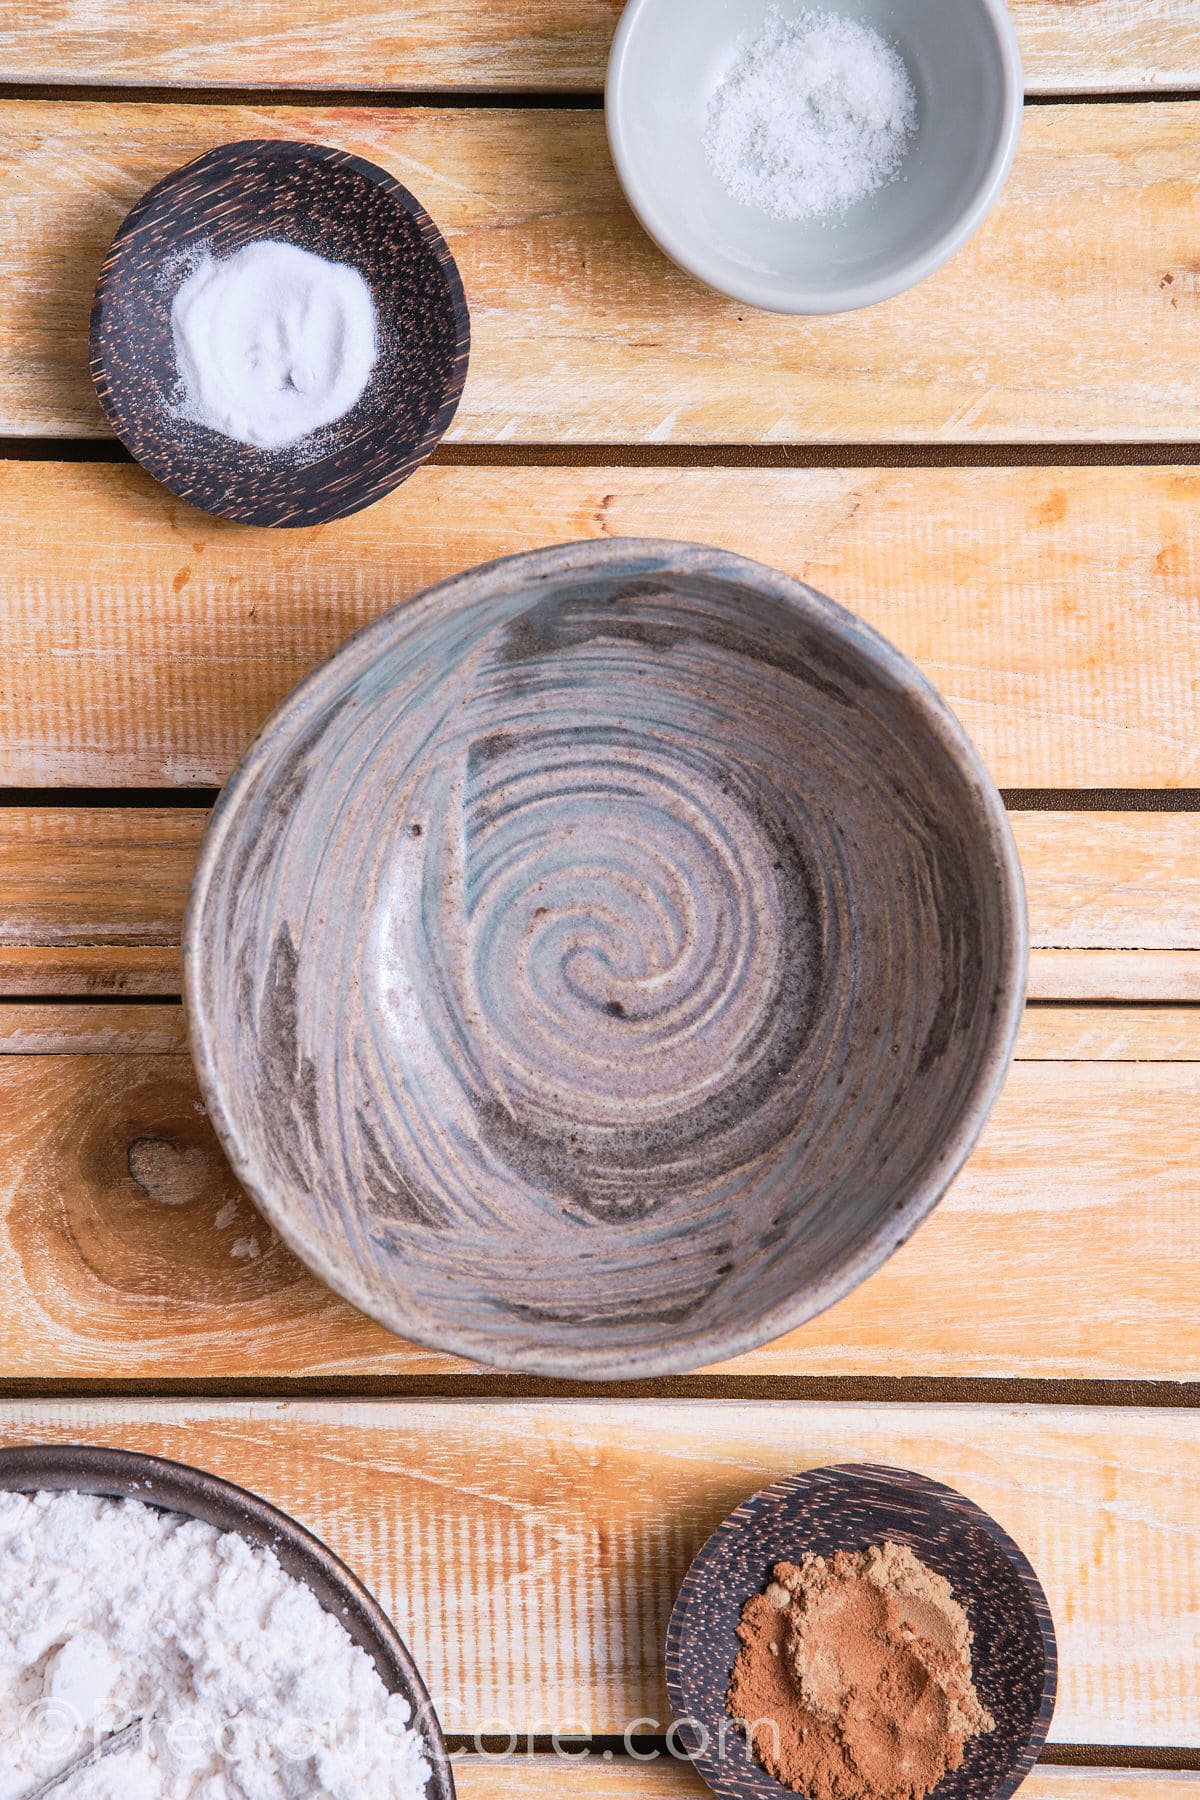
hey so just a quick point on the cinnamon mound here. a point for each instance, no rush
(854, 1678)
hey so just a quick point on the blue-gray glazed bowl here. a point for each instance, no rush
(605, 960)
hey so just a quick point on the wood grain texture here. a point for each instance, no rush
(1070, 316)
(531, 44)
(75, 876)
(530, 1553)
(170, 1267)
(39, 1029)
(1097, 975)
(102, 970)
(120, 1227)
(89, 969)
(1048, 1033)
(1109, 1034)
(1113, 45)
(551, 1778)
(1109, 881)
(1055, 608)
(119, 876)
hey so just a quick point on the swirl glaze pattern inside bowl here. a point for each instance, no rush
(604, 961)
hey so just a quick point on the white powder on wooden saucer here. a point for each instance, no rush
(249, 1689)
(815, 113)
(272, 343)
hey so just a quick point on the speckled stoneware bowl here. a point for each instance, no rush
(605, 960)
(179, 1488)
(334, 205)
(1014, 1657)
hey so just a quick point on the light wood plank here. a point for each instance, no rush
(140, 1250)
(531, 1553)
(532, 44)
(119, 1221)
(1048, 1033)
(1118, 45)
(1055, 608)
(1109, 1034)
(1096, 975)
(1063, 975)
(116, 876)
(82, 875)
(435, 44)
(547, 1777)
(39, 1029)
(1108, 880)
(106, 969)
(1070, 316)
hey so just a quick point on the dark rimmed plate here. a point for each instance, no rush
(848, 1507)
(339, 207)
(179, 1488)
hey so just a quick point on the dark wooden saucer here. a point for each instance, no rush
(339, 207)
(1014, 1657)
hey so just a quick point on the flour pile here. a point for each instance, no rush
(272, 343)
(815, 113)
(249, 1690)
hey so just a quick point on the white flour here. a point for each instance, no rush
(250, 1690)
(272, 343)
(815, 113)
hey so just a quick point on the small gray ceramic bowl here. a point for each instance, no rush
(179, 1488)
(668, 58)
(605, 960)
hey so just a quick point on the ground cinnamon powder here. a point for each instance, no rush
(854, 1679)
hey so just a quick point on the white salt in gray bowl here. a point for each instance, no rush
(668, 58)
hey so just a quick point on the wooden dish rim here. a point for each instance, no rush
(128, 430)
(910, 1480)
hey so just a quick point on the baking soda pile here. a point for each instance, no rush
(272, 343)
(815, 113)
(249, 1690)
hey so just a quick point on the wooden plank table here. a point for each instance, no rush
(1001, 470)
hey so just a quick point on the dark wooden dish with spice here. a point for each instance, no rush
(336, 206)
(849, 1507)
(179, 1488)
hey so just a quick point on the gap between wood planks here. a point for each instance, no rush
(615, 1752)
(588, 99)
(846, 1390)
(941, 455)
(1155, 800)
(1038, 1002)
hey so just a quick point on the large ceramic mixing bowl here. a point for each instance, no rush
(605, 960)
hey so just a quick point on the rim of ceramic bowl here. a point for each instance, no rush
(182, 1488)
(530, 570)
(808, 301)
